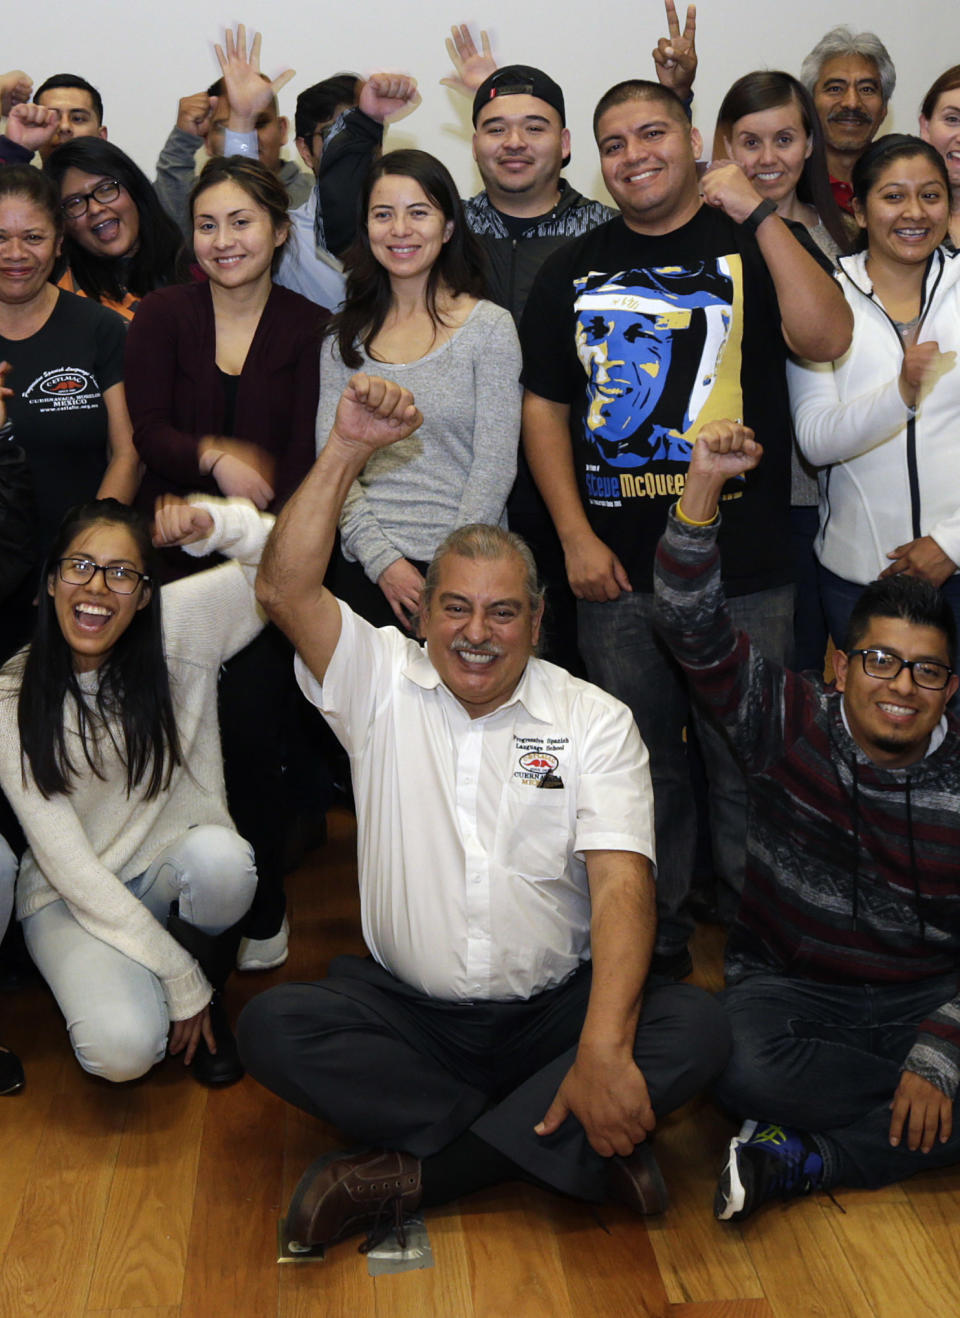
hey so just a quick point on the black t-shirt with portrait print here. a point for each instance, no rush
(59, 377)
(647, 338)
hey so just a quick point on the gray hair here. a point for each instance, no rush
(480, 541)
(844, 41)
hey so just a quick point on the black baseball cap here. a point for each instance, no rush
(520, 80)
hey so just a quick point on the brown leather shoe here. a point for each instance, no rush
(637, 1182)
(343, 1193)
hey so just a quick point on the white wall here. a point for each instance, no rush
(143, 60)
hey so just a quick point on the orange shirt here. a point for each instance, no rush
(127, 308)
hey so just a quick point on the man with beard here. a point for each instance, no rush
(841, 966)
(851, 79)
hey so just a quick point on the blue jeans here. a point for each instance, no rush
(626, 657)
(809, 620)
(8, 874)
(839, 596)
(826, 1059)
(115, 1009)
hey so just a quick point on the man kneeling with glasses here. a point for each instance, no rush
(841, 969)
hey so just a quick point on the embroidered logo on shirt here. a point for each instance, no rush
(538, 767)
(63, 389)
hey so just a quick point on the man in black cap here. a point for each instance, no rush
(526, 210)
(524, 213)
(521, 143)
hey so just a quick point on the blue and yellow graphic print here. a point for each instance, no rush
(661, 349)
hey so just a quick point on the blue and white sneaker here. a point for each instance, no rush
(765, 1162)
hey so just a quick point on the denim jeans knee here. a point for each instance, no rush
(210, 871)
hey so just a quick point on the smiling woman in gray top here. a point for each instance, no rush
(414, 313)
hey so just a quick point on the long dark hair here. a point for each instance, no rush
(883, 151)
(768, 89)
(134, 687)
(459, 266)
(152, 265)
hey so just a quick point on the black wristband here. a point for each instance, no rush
(756, 217)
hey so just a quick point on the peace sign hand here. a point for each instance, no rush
(675, 57)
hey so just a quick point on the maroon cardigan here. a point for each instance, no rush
(176, 398)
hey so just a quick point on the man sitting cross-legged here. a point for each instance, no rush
(842, 963)
(501, 1028)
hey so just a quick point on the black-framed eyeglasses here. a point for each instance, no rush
(884, 666)
(107, 190)
(121, 580)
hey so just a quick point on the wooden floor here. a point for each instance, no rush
(160, 1200)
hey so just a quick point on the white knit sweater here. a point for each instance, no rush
(85, 846)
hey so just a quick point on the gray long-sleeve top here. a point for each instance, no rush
(458, 467)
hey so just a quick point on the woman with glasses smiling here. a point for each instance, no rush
(134, 881)
(119, 243)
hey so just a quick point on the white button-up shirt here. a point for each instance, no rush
(471, 831)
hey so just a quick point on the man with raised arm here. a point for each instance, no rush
(501, 1027)
(65, 106)
(202, 119)
(842, 965)
(678, 311)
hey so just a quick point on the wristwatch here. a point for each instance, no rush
(756, 217)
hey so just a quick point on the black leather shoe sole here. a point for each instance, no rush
(12, 1078)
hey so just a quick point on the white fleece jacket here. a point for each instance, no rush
(886, 476)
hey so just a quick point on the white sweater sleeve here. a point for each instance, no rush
(215, 613)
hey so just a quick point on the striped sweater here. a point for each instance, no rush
(853, 870)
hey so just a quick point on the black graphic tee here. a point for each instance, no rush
(646, 339)
(59, 377)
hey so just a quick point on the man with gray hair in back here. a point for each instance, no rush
(851, 78)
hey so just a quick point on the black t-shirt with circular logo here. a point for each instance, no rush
(59, 377)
